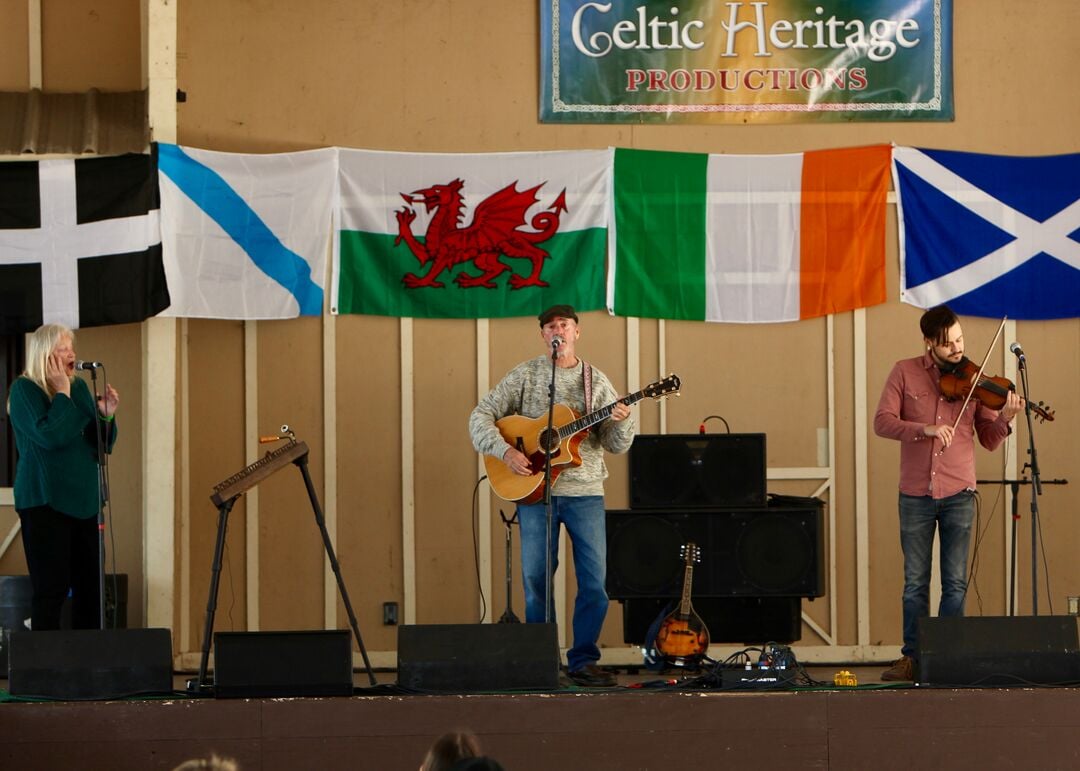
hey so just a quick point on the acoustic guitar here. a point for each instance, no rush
(683, 638)
(531, 437)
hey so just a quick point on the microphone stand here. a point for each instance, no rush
(1015, 485)
(548, 514)
(1036, 486)
(508, 616)
(103, 498)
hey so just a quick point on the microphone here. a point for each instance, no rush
(557, 341)
(1015, 348)
(86, 365)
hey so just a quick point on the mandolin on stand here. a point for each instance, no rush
(683, 638)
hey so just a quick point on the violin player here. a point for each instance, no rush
(937, 471)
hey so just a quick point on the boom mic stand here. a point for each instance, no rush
(1015, 485)
(508, 616)
(100, 426)
(548, 449)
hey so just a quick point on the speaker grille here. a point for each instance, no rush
(697, 471)
(744, 552)
(774, 552)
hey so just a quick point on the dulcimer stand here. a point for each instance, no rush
(225, 495)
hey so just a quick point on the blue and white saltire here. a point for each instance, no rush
(989, 235)
(246, 236)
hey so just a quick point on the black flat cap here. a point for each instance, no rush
(558, 311)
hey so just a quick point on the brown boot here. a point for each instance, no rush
(903, 669)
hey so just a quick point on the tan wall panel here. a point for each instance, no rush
(445, 467)
(369, 471)
(291, 550)
(14, 48)
(215, 351)
(91, 44)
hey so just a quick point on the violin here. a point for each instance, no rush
(991, 391)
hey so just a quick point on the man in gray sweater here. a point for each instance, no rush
(577, 500)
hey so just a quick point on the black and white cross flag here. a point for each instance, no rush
(80, 242)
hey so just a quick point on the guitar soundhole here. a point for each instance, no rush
(549, 441)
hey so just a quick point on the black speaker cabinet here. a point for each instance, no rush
(999, 650)
(728, 619)
(713, 471)
(774, 551)
(478, 657)
(80, 664)
(308, 663)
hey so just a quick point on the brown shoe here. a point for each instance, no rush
(903, 669)
(591, 676)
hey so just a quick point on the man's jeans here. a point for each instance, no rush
(583, 518)
(919, 515)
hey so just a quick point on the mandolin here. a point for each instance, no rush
(683, 638)
(531, 437)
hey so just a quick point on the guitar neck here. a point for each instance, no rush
(593, 418)
(684, 604)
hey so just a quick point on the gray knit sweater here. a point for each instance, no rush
(524, 392)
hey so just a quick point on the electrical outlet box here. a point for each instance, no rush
(389, 613)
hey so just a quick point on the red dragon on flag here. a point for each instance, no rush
(494, 232)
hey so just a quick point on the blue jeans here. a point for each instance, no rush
(952, 517)
(583, 517)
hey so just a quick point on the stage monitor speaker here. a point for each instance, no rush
(773, 551)
(714, 471)
(77, 664)
(728, 619)
(307, 663)
(478, 657)
(999, 650)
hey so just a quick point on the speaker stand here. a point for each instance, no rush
(508, 616)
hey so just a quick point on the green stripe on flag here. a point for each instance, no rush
(371, 271)
(660, 218)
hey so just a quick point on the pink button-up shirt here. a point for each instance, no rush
(912, 399)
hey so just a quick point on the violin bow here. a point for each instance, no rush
(979, 374)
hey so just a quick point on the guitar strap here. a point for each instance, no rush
(587, 375)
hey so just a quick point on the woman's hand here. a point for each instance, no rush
(108, 401)
(57, 375)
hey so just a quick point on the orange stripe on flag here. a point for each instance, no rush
(842, 229)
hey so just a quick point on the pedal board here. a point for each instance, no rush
(740, 679)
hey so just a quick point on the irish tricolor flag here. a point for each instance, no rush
(736, 238)
(470, 235)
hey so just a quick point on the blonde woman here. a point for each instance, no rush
(56, 478)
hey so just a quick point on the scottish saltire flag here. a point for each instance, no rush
(246, 236)
(989, 235)
(748, 239)
(470, 235)
(80, 243)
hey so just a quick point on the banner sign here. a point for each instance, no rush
(706, 61)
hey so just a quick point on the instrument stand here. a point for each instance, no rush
(508, 616)
(202, 684)
(100, 426)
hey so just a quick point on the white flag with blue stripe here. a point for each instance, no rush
(990, 235)
(246, 236)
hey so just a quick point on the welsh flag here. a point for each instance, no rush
(470, 235)
(759, 238)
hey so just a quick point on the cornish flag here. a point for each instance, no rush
(989, 235)
(246, 236)
(80, 243)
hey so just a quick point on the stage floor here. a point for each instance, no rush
(867, 727)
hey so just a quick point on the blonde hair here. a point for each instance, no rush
(39, 346)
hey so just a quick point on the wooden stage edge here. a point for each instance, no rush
(622, 728)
